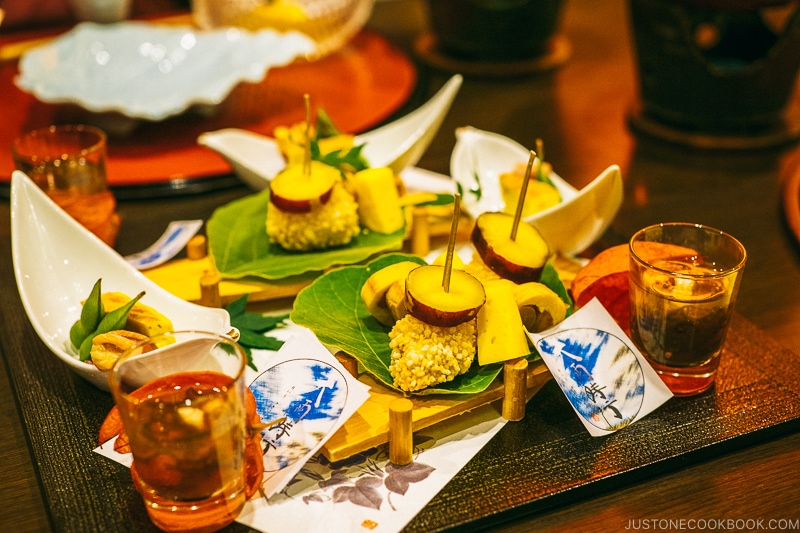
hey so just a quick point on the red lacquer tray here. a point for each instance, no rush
(359, 86)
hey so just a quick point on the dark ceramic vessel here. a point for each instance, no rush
(494, 30)
(716, 66)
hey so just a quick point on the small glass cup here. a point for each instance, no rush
(103, 11)
(183, 408)
(68, 162)
(330, 23)
(683, 284)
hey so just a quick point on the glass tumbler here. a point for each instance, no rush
(683, 284)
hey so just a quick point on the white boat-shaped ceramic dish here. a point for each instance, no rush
(569, 227)
(150, 71)
(56, 263)
(398, 144)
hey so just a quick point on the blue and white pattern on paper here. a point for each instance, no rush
(598, 373)
(301, 400)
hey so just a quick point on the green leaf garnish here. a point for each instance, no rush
(252, 327)
(544, 178)
(256, 340)
(476, 189)
(325, 126)
(260, 323)
(553, 282)
(441, 199)
(352, 159)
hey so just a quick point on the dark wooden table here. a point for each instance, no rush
(581, 111)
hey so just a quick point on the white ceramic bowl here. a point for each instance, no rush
(256, 159)
(570, 226)
(150, 71)
(56, 263)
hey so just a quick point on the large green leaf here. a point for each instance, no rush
(238, 242)
(332, 308)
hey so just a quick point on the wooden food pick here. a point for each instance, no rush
(522, 193)
(451, 243)
(307, 153)
(401, 437)
(544, 168)
(515, 388)
(540, 150)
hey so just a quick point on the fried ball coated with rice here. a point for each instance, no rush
(334, 223)
(424, 355)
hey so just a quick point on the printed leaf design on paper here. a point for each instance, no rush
(366, 479)
(364, 493)
(332, 308)
(240, 247)
(314, 497)
(399, 478)
(336, 479)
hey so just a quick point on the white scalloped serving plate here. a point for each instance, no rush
(150, 71)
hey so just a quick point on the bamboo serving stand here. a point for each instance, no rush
(388, 416)
(191, 277)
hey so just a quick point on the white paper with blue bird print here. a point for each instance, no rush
(601, 372)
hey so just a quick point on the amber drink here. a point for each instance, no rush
(183, 409)
(68, 162)
(682, 299)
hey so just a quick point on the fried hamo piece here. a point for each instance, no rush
(425, 355)
(311, 220)
(436, 340)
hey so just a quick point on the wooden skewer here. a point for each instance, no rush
(451, 243)
(540, 150)
(544, 168)
(522, 193)
(307, 153)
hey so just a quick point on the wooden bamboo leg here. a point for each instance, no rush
(196, 248)
(401, 437)
(515, 384)
(420, 232)
(209, 290)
